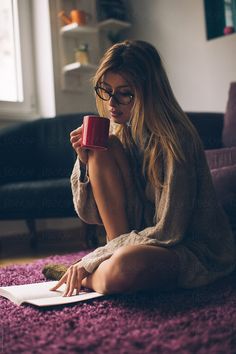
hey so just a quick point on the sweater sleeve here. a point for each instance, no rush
(174, 207)
(83, 199)
(93, 259)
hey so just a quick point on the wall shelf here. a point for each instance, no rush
(96, 36)
(73, 29)
(78, 67)
(113, 25)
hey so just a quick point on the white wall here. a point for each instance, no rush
(200, 71)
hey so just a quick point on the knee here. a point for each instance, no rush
(101, 156)
(115, 146)
(114, 142)
(121, 273)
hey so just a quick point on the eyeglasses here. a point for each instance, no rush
(119, 97)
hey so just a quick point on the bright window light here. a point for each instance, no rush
(11, 86)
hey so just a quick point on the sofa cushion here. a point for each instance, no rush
(36, 199)
(218, 158)
(224, 181)
(17, 153)
(229, 130)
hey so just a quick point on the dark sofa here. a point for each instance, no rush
(36, 160)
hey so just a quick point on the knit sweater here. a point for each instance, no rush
(186, 212)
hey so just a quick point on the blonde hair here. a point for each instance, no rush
(155, 110)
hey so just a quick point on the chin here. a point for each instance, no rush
(115, 120)
(119, 120)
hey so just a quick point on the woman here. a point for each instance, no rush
(152, 189)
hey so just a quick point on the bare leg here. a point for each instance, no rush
(110, 177)
(130, 268)
(136, 268)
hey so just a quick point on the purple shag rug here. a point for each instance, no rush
(185, 321)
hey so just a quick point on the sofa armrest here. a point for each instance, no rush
(224, 182)
(218, 158)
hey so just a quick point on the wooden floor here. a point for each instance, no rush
(17, 250)
(19, 260)
(28, 257)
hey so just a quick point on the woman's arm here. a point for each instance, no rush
(83, 199)
(84, 203)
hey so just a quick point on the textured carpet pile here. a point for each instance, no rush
(184, 321)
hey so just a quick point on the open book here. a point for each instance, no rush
(38, 294)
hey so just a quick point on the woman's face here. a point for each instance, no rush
(116, 84)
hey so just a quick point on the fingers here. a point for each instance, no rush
(72, 283)
(73, 279)
(77, 131)
(60, 282)
(76, 142)
(75, 138)
(76, 135)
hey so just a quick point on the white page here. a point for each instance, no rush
(60, 300)
(36, 291)
(32, 291)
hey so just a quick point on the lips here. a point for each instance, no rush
(115, 113)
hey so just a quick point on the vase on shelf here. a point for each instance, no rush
(81, 54)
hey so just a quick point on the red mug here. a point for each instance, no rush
(95, 132)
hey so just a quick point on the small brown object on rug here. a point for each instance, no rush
(54, 271)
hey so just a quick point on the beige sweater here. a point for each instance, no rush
(186, 213)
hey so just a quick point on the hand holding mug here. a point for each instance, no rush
(93, 134)
(76, 139)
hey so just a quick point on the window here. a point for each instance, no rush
(220, 16)
(230, 15)
(17, 93)
(10, 64)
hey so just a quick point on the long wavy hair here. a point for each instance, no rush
(155, 112)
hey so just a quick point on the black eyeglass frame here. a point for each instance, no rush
(113, 95)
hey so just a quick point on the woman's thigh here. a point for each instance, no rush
(141, 268)
(117, 150)
(134, 202)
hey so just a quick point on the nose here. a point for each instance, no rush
(113, 102)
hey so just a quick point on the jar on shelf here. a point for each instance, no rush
(81, 54)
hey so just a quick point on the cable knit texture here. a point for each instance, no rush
(184, 215)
